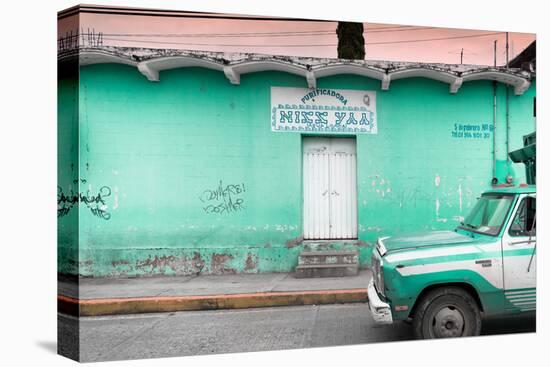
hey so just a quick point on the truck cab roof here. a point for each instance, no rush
(523, 189)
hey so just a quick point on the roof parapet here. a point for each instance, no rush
(150, 62)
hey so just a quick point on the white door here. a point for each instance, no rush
(519, 256)
(330, 192)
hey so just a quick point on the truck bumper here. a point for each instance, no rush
(380, 311)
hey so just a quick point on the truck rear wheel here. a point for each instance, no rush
(447, 313)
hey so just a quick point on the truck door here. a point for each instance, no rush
(519, 256)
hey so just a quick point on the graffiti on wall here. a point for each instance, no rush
(224, 199)
(95, 202)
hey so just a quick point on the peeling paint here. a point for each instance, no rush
(458, 218)
(197, 262)
(251, 263)
(361, 243)
(165, 265)
(218, 264)
(460, 197)
(119, 263)
(156, 263)
(285, 227)
(115, 203)
(294, 242)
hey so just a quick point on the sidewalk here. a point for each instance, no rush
(106, 296)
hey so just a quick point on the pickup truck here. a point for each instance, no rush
(444, 281)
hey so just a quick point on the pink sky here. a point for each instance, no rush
(251, 38)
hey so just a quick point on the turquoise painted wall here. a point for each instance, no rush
(153, 153)
(67, 172)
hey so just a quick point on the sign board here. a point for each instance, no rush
(322, 110)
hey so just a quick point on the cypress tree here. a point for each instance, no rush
(351, 43)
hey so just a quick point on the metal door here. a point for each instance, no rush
(330, 193)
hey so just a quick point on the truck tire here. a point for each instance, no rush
(447, 313)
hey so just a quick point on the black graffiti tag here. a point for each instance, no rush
(228, 206)
(96, 203)
(223, 199)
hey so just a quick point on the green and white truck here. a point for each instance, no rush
(444, 281)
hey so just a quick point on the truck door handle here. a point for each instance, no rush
(520, 242)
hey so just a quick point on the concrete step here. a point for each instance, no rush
(326, 270)
(328, 257)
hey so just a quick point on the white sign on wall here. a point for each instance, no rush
(323, 110)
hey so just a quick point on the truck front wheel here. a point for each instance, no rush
(447, 313)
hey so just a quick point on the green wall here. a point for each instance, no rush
(68, 165)
(151, 151)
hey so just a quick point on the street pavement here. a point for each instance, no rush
(227, 331)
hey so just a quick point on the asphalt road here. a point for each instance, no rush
(226, 331)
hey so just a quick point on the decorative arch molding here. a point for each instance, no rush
(519, 83)
(151, 68)
(255, 66)
(453, 80)
(234, 68)
(347, 68)
(100, 57)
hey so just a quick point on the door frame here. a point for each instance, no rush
(302, 202)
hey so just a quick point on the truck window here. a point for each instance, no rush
(524, 223)
(488, 214)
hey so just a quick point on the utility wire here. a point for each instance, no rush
(303, 45)
(262, 34)
(256, 34)
(436, 39)
(399, 30)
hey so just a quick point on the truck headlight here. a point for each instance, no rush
(378, 272)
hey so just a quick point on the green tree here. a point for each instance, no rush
(351, 44)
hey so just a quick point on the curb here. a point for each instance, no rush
(121, 306)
